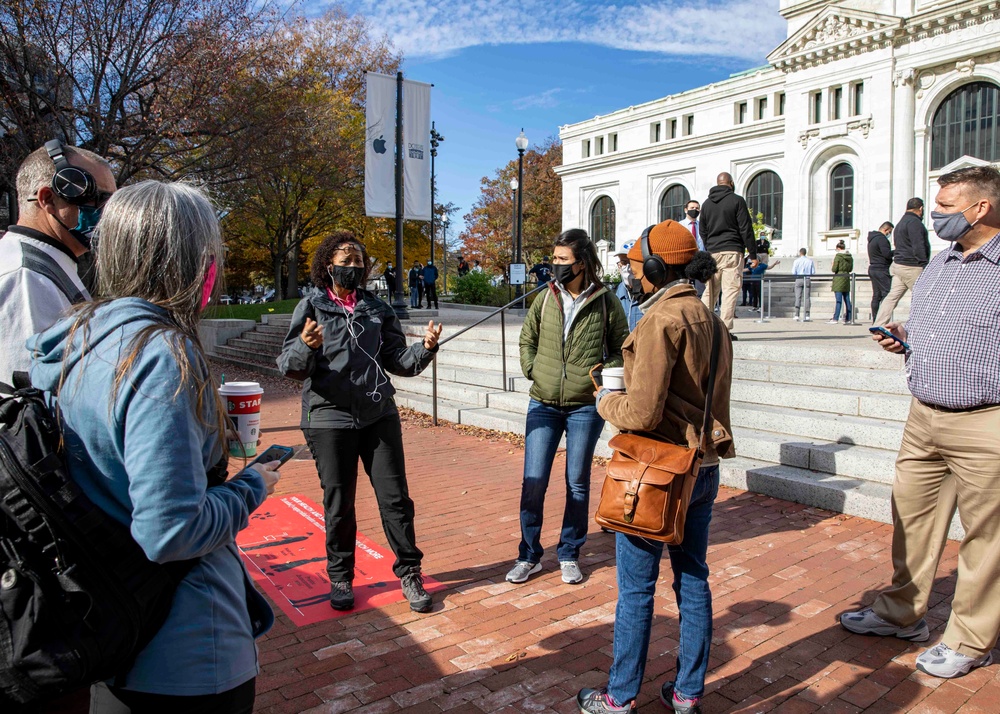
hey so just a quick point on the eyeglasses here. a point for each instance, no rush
(97, 201)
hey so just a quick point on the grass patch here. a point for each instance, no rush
(250, 312)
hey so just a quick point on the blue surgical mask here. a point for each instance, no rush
(952, 226)
(83, 231)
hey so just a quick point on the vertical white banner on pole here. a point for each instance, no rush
(417, 155)
(380, 146)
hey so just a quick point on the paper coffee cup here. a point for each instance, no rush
(243, 410)
(613, 378)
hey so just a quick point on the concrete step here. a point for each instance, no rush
(816, 399)
(264, 349)
(836, 429)
(252, 356)
(263, 367)
(876, 381)
(267, 338)
(854, 497)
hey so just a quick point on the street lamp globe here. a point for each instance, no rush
(521, 142)
(513, 184)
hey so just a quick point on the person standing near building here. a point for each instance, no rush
(61, 191)
(728, 235)
(463, 266)
(949, 452)
(843, 264)
(913, 251)
(879, 262)
(692, 211)
(803, 269)
(667, 368)
(413, 281)
(390, 280)
(542, 271)
(430, 283)
(624, 291)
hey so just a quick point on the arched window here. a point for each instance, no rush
(966, 125)
(602, 220)
(764, 195)
(672, 203)
(842, 196)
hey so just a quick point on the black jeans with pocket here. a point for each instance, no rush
(380, 449)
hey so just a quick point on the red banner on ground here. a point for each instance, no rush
(285, 550)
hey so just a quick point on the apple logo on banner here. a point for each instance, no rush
(379, 145)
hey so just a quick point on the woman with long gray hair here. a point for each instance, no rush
(145, 436)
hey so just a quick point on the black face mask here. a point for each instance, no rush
(346, 277)
(693, 213)
(563, 273)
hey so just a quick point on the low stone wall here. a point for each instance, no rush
(214, 333)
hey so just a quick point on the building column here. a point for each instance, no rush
(903, 140)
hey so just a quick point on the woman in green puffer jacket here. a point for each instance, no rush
(574, 325)
(843, 264)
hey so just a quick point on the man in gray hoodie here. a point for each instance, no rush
(727, 232)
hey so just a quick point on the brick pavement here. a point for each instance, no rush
(781, 573)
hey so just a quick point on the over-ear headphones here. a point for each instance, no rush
(654, 268)
(71, 183)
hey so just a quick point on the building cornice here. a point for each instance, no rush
(838, 33)
(758, 130)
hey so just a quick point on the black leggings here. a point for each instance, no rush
(110, 700)
(380, 448)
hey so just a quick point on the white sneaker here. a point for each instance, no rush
(522, 570)
(942, 661)
(806, 319)
(866, 622)
(570, 571)
(795, 317)
(833, 322)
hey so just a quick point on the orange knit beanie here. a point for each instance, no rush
(669, 240)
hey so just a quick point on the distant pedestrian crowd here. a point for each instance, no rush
(143, 431)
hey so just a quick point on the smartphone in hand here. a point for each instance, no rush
(879, 330)
(274, 453)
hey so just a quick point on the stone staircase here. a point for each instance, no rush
(823, 301)
(813, 424)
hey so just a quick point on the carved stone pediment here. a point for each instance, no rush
(832, 33)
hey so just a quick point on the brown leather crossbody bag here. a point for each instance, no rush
(649, 481)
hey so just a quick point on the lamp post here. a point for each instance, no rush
(513, 218)
(521, 142)
(436, 139)
(444, 250)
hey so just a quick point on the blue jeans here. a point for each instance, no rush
(545, 426)
(413, 297)
(844, 298)
(638, 570)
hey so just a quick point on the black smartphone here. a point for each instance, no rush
(275, 453)
(879, 330)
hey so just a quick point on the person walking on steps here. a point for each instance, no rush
(843, 265)
(667, 363)
(913, 252)
(803, 269)
(344, 343)
(950, 453)
(571, 327)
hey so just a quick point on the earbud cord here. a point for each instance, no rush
(355, 329)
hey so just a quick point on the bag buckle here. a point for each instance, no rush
(630, 500)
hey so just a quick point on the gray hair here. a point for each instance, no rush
(38, 169)
(156, 241)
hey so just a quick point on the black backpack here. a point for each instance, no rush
(78, 597)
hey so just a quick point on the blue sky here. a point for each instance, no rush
(499, 66)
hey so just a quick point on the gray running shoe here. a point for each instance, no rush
(413, 590)
(670, 700)
(341, 595)
(522, 570)
(866, 622)
(942, 661)
(597, 701)
(570, 571)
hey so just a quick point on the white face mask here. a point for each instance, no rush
(626, 272)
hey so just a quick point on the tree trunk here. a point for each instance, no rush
(292, 291)
(278, 261)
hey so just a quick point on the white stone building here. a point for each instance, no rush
(863, 106)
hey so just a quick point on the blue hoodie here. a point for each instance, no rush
(143, 460)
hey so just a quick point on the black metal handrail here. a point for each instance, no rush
(501, 311)
(790, 278)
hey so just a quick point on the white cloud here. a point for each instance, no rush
(743, 29)
(542, 100)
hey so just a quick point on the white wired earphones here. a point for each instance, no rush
(355, 329)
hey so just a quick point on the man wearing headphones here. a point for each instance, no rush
(60, 193)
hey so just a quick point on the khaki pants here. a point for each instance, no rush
(728, 280)
(904, 277)
(947, 457)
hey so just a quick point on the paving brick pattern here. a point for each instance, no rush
(782, 572)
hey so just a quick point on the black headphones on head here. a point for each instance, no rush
(71, 183)
(654, 268)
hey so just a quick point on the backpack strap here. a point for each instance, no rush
(604, 325)
(710, 389)
(38, 261)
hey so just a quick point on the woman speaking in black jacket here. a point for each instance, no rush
(343, 342)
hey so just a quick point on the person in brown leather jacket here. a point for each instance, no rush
(666, 373)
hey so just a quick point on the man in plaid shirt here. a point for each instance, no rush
(951, 446)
